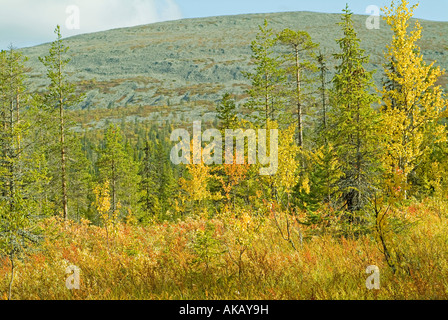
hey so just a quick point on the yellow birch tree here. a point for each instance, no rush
(412, 102)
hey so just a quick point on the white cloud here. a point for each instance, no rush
(30, 22)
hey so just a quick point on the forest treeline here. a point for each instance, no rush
(348, 150)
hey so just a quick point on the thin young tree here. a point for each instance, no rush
(266, 98)
(60, 96)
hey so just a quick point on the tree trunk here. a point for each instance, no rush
(63, 169)
(62, 133)
(12, 154)
(324, 102)
(266, 98)
(299, 103)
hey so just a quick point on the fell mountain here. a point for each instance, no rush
(178, 70)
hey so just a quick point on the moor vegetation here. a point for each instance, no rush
(361, 181)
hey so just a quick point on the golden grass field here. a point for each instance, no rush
(231, 258)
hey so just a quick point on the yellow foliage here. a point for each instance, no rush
(196, 187)
(288, 165)
(413, 106)
(102, 203)
(104, 208)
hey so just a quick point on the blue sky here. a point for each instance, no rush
(428, 9)
(31, 22)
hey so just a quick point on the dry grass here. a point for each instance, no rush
(229, 258)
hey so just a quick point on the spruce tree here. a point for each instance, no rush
(323, 91)
(80, 179)
(353, 122)
(117, 167)
(148, 200)
(164, 178)
(227, 113)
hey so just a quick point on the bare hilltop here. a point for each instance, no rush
(183, 67)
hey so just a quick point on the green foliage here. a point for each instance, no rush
(299, 67)
(224, 230)
(149, 201)
(80, 179)
(324, 175)
(17, 200)
(266, 101)
(227, 113)
(116, 166)
(353, 128)
(206, 247)
(158, 182)
(60, 95)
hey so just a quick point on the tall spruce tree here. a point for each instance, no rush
(323, 90)
(80, 179)
(353, 122)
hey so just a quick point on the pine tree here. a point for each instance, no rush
(353, 129)
(413, 103)
(298, 62)
(61, 95)
(13, 76)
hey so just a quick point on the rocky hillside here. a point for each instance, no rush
(181, 68)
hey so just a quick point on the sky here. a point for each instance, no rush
(26, 23)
